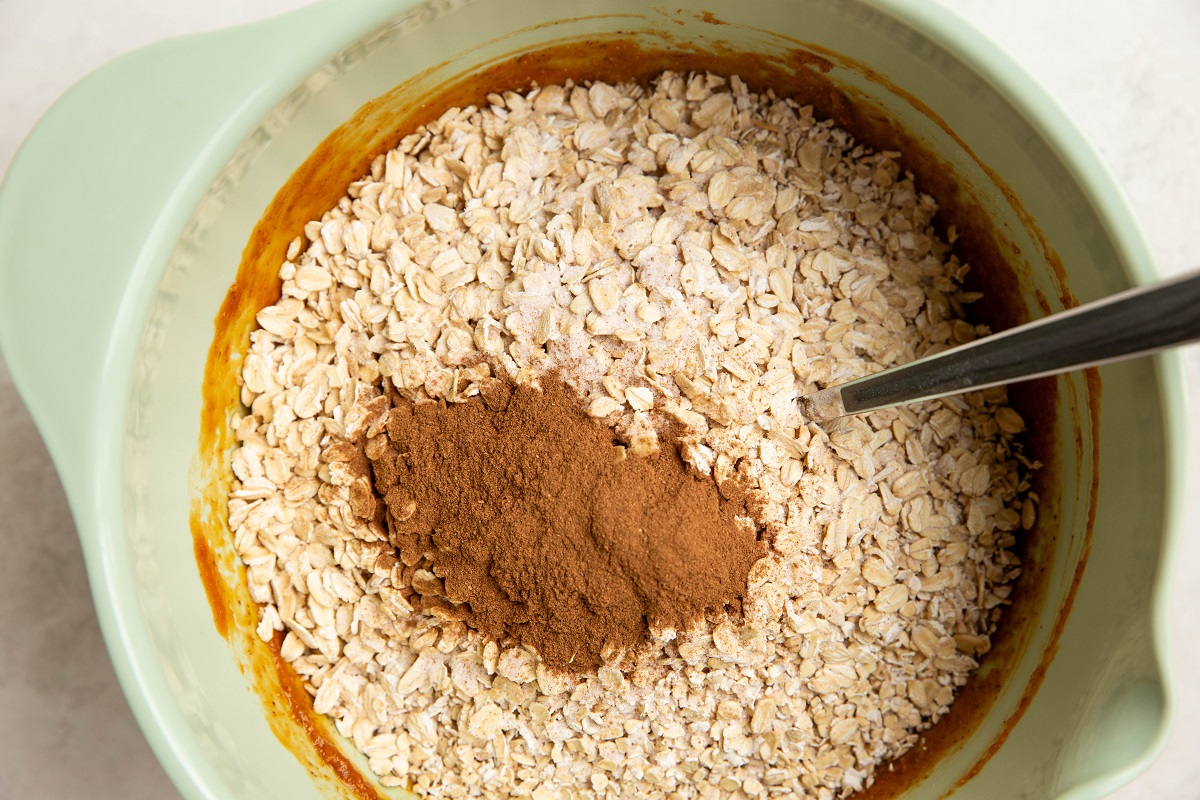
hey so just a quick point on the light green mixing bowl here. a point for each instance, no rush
(124, 215)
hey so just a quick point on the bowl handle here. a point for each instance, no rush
(99, 192)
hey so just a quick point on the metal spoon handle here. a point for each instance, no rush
(1133, 323)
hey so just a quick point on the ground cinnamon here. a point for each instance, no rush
(521, 515)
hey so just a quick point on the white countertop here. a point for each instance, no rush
(1128, 74)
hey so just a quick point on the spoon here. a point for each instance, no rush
(1133, 323)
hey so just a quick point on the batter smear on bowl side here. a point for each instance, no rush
(523, 477)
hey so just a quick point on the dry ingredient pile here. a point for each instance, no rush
(524, 483)
(546, 532)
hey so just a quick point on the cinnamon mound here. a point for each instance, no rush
(537, 527)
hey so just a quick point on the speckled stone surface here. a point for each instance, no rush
(1126, 73)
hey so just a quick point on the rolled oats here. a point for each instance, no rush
(690, 251)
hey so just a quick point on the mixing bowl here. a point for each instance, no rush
(132, 259)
